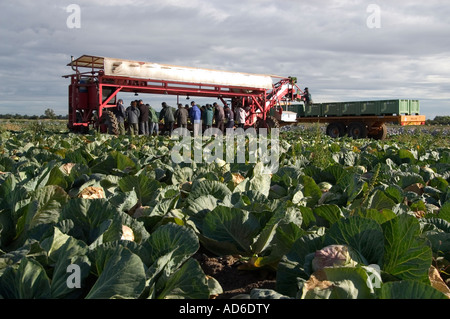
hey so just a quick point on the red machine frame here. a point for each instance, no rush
(92, 91)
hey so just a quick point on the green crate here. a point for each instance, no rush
(390, 107)
(414, 107)
(291, 108)
(369, 108)
(331, 109)
(403, 107)
(313, 110)
(351, 108)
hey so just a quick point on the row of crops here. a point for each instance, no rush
(98, 216)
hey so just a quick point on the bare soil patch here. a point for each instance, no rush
(234, 281)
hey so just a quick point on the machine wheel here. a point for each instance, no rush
(336, 129)
(381, 133)
(272, 122)
(110, 120)
(357, 130)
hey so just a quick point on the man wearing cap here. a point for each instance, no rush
(307, 97)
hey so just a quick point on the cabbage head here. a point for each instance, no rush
(334, 256)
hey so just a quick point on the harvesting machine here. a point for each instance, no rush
(96, 82)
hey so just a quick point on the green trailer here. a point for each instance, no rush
(300, 109)
(350, 108)
(358, 119)
(369, 108)
(331, 109)
(313, 110)
(356, 108)
(391, 107)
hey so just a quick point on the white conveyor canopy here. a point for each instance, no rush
(164, 72)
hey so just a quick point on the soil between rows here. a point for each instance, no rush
(234, 281)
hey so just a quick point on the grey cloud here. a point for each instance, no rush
(326, 44)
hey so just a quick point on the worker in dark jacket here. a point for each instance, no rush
(307, 97)
(181, 116)
(120, 115)
(208, 116)
(229, 116)
(144, 109)
(219, 116)
(167, 114)
(133, 114)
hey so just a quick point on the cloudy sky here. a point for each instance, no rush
(343, 50)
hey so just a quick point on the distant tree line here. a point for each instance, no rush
(439, 120)
(48, 114)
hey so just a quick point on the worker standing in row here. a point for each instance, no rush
(154, 121)
(229, 116)
(208, 116)
(132, 115)
(120, 113)
(196, 118)
(240, 116)
(144, 109)
(167, 114)
(219, 117)
(181, 115)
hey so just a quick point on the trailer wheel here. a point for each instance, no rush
(357, 130)
(110, 120)
(336, 129)
(381, 133)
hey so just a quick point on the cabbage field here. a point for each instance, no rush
(98, 216)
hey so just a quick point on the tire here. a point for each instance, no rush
(270, 123)
(110, 120)
(357, 130)
(336, 130)
(381, 134)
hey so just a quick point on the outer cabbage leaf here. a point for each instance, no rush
(121, 274)
(362, 234)
(28, 281)
(409, 289)
(406, 254)
(228, 230)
